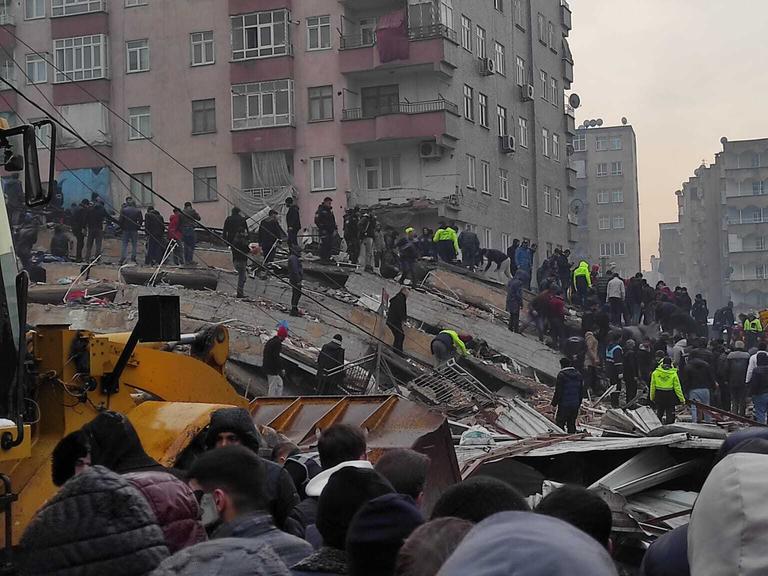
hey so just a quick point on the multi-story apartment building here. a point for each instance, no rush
(670, 254)
(374, 102)
(607, 198)
(723, 227)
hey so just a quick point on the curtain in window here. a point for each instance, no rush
(392, 37)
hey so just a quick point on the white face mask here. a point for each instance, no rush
(210, 513)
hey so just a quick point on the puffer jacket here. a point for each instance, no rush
(515, 291)
(174, 505)
(569, 388)
(225, 557)
(98, 524)
(758, 382)
(582, 272)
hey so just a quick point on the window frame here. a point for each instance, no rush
(262, 89)
(325, 100)
(62, 8)
(35, 4)
(617, 218)
(604, 223)
(482, 107)
(581, 139)
(499, 5)
(382, 168)
(605, 249)
(135, 3)
(135, 131)
(469, 103)
(602, 169)
(619, 165)
(520, 73)
(603, 197)
(240, 35)
(203, 43)
(555, 146)
(503, 184)
(502, 121)
(318, 27)
(541, 26)
(197, 181)
(96, 43)
(322, 161)
(488, 238)
(545, 142)
(525, 192)
(557, 202)
(466, 34)
(617, 196)
(485, 177)
(203, 111)
(143, 195)
(544, 84)
(619, 248)
(601, 143)
(500, 58)
(523, 124)
(139, 51)
(481, 35)
(547, 199)
(554, 88)
(35, 59)
(471, 172)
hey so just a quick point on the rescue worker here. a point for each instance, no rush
(582, 282)
(189, 219)
(351, 231)
(325, 221)
(503, 265)
(752, 330)
(78, 223)
(524, 259)
(367, 231)
(470, 248)
(448, 344)
(270, 233)
(700, 312)
(447, 243)
(238, 240)
(569, 391)
(272, 364)
(666, 391)
(723, 321)
(233, 223)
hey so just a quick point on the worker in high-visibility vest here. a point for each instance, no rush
(448, 344)
(752, 330)
(447, 242)
(582, 282)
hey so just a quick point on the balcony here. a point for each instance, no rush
(6, 18)
(571, 178)
(263, 139)
(433, 119)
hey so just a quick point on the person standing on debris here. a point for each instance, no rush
(448, 344)
(614, 362)
(131, 220)
(556, 319)
(700, 313)
(295, 277)
(189, 220)
(378, 246)
(752, 330)
(426, 246)
(634, 299)
(723, 322)
(447, 243)
(737, 363)
(470, 248)
(515, 299)
(292, 221)
(582, 282)
(272, 362)
(563, 265)
(95, 218)
(175, 235)
(367, 227)
(569, 391)
(524, 259)
(325, 221)
(270, 233)
(154, 226)
(351, 230)
(233, 224)
(78, 223)
(592, 361)
(501, 260)
(238, 240)
(630, 370)
(397, 313)
(330, 359)
(645, 362)
(614, 296)
(59, 243)
(758, 388)
(666, 391)
(408, 253)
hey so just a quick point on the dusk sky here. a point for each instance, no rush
(684, 72)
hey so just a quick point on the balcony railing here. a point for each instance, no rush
(6, 19)
(357, 40)
(368, 38)
(733, 221)
(265, 194)
(401, 108)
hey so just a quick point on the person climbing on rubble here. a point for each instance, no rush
(330, 359)
(500, 259)
(238, 240)
(273, 363)
(408, 253)
(270, 233)
(614, 363)
(569, 391)
(592, 361)
(524, 259)
(666, 391)
(446, 242)
(175, 235)
(189, 219)
(397, 314)
(233, 224)
(367, 237)
(582, 282)
(470, 248)
(154, 226)
(448, 344)
(515, 299)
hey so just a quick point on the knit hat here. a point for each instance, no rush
(378, 531)
(739, 345)
(282, 332)
(346, 492)
(337, 337)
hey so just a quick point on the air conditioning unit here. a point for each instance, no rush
(428, 150)
(487, 67)
(508, 144)
(527, 92)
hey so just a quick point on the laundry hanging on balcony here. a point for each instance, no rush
(392, 37)
(267, 182)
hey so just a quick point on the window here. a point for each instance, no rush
(545, 142)
(318, 32)
(556, 147)
(542, 29)
(260, 35)
(140, 191)
(368, 31)
(466, 33)
(205, 185)
(500, 59)
(203, 51)
(618, 222)
(37, 69)
(70, 7)
(757, 189)
(80, 58)
(262, 104)
(383, 172)
(616, 143)
(378, 100)
(487, 238)
(755, 160)
(580, 142)
(43, 134)
(501, 116)
(137, 56)
(130, 3)
(505, 243)
(446, 13)
(471, 171)
(547, 199)
(503, 184)
(580, 166)
(524, 192)
(140, 121)
(482, 51)
(551, 35)
(321, 103)
(518, 16)
(617, 196)
(34, 9)
(323, 174)
(619, 249)
(604, 223)
(601, 143)
(605, 249)
(543, 86)
(469, 103)
(603, 197)
(520, 68)
(499, 5)
(602, 169)
(203, 116)
(616, 169)
(554, 91)
(557, 200)
(485, 171)
(523, 132)
(482, 102)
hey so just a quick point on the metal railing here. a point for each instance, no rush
(6, 19)
(401, 108)
(747, 221)
(265, 193)
(358, 376)
(432, 31)
(452, 387)
(357, 40)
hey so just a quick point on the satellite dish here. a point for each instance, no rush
(723, 140)
(592, 123)
(585, 123)
(624, 121)
(599, 121)
(574, 100)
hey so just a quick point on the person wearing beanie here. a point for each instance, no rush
(347, 490)
(429, 546)
(526, 544)
(377, 533)
(272, 364)
(330, 359)
(581, 508)
(478, 498)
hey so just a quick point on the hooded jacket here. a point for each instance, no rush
(97, 524)
(526, 544)
(331, 356)
(729, 519)
(131, 218)
(758, 382)
(582, 271)
(666, 379)
(737, 362)
(515, 291)
(451, 339)
(569, 388)
(225, 557)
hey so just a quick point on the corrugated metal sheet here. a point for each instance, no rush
(591, 444)
(659, 503)
(518, 418)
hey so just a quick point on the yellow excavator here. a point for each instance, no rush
(54, 380)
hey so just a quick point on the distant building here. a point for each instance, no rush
(607, 198)
(670, 254)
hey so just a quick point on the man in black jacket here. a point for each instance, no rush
(295, 277)
(397, 313)
(292, 221)
(569, 391)
(325, 221)
(700, 313)
(631, 370)
(723, 321)
(331, 357)
(131, 221)
(154, 226)
(240, 250)
(94, 220)
(78, 224)
(270, 233)
(233, 224)
(272, 364)
(367, 231)
(351, 230)
(59, 242)
(698, 379)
